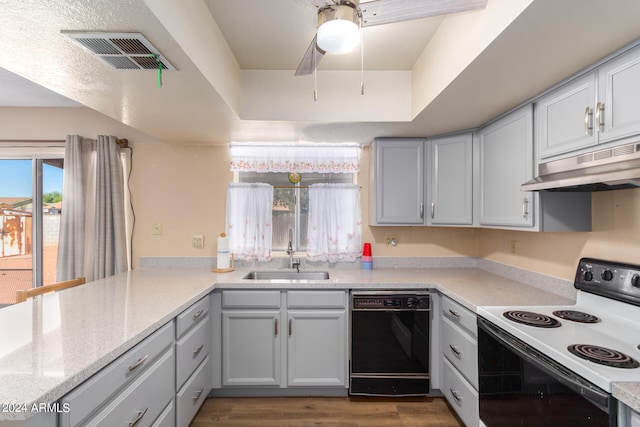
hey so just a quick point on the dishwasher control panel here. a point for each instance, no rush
(391, 302)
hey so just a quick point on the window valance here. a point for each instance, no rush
(295, 157)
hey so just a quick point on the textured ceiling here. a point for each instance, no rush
(199, 103)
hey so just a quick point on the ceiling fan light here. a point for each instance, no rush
(338, 36)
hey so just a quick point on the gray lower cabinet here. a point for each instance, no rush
(283, 339)
(160, 382)
(317, 338)
(147, 371)
(398, 181)
(193, 369)
(460, 361)
(251, 337)
(450, 180)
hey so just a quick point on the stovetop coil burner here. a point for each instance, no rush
(576, 316)
(531, 319)
(603, 356)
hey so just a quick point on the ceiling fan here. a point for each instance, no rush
(340, 21)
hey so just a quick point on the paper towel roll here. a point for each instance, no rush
(223, 260)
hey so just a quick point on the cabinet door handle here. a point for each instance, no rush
(290, 327)
(198, 313)
(455, 395)
(138, 418)
(433, 210)
(454, 313)
(197, 395)
(198, 350)
(600, 116)
(455, 350)
(588, 124)
(525, 208)
(421, 210)
(139, 362)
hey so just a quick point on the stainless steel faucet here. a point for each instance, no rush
(292, 264)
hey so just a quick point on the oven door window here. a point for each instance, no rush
(515, 391)
(393, 342)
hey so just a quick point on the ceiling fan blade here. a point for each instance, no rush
(310, 60)
(380, 12)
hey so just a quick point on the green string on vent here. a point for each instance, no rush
(157, 58)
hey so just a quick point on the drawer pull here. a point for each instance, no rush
(454, 313)
(139, 362)
(455, 395)
(198, 350)
(455, 350)
(138, 418)
(197, 395)
(198, 313)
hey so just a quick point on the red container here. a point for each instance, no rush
(366, 251)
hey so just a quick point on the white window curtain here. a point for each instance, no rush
(295, 157)
(335, 223)
(97, 220)
(249, 220)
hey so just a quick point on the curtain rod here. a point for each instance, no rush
(124, 143)
(293, 186)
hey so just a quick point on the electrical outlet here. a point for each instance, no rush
(514, 247)
(197, 241)
(391, 239)
(157, 229)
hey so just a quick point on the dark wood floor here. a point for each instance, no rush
(325, 411)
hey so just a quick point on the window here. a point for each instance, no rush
(30, 207)
(291, 203)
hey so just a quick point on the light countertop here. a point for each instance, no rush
(51, 344)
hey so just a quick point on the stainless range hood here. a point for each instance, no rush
(610, 169)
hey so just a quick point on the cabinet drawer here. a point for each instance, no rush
(251, 299)
(94, 392)
(192, 395)
(460, 316)
(316, 299)
(144, 400)
(460, 394)
(191, 316)
(167, 417)
(461, 350)
(191, 350)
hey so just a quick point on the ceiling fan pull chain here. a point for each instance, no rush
(315, 85)
(361, 58)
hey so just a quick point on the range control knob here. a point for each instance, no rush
(635, 281)
(607, 275)
(587, 276)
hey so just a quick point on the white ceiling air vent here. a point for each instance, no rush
(123, 51)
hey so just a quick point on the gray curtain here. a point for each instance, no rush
(94, 234)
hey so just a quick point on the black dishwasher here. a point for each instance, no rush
(390, 343)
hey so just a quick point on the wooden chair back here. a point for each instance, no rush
(30, 293)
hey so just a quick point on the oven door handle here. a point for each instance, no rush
(595, 395)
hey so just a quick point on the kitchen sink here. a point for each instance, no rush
(287, 275)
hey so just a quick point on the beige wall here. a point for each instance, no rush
(183, 188)
(615, 236)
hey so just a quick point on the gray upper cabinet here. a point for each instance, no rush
(565, 118)
(398, 181)
(619, 97)
(598, 107)
(451, 180)
(506, 161)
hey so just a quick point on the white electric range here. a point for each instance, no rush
(586, 347)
